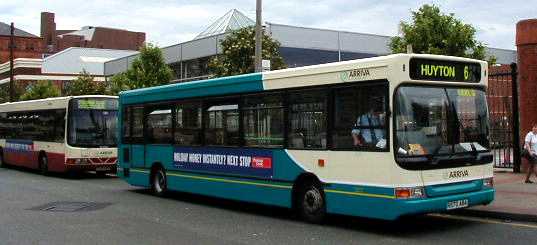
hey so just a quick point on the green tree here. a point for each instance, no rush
(40, 90)
(238, 49)
(84, 84)
(4, 92)
(147, 70)
(433, 32)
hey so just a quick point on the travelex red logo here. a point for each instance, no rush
(261, 162)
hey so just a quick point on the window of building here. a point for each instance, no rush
(159, 125)
(263, 120)
(222, 124)
(307, 119)
(188, 123)
(360, 118)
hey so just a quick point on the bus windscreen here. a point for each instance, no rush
(93, 123)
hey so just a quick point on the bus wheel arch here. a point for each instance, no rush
(42, 161)
(308, 198)
(158, 180)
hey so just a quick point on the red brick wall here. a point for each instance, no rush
(25, 47)
(116, 39)
(48, 28)
(103, 37)
(526, 41)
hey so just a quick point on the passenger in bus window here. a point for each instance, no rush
(369, 130)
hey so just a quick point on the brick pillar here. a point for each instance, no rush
(526, 42)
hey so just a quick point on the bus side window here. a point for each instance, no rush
(222, 124)
(307, 119)
(263, 120)
(159, 125)
(59, 126)
(126, 121)
(188, 124)
(360, 118)
(137, 135)
(3, 125)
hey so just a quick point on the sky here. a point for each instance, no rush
(168, 22)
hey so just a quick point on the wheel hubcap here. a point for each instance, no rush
(159, 181)
(312, 200)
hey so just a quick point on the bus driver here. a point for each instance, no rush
(368, 129)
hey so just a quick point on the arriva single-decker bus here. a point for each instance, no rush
(63, 134)
(379, 137)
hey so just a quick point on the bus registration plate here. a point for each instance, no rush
(457, 204)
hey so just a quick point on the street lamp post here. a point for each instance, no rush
(258, 37)
(11, 47)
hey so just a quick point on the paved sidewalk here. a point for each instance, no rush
(514, 199)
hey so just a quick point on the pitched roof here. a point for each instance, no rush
(5, 30)
(232, 20)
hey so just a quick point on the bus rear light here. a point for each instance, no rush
(409, 192)
(488, 182)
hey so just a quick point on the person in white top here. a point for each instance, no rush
(530, 144)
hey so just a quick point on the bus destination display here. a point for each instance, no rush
(97, 104)
(442, 70)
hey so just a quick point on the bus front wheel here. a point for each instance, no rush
(159, 182)
(311, 204)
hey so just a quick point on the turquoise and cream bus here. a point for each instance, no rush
(379, 137)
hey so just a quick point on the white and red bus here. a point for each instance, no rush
(76, 133)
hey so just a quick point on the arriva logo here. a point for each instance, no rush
(354, 75)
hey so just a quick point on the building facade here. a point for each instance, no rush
(27, 45)
(60, 68)
(87, 37)
(300, 46)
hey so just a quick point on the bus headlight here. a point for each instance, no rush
(409, 192)
(488, 182)
(77, 161)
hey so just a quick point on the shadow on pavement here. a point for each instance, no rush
(68, 175)
(411, 226)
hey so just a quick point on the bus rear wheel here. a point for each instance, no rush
(43, 164)
(311, 204)
(159, 183)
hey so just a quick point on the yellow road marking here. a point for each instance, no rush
(229, 181)
(483, 220)
(359, 194)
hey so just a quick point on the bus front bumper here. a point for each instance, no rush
(110, 167)
(392, 208)
(440, 204)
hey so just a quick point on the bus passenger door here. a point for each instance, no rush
(137, 146)
(137, 153)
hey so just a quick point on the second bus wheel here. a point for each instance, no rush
(159, 183)
(311, 204)
(43, 164)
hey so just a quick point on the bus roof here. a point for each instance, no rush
(54, 102)
(257, 82)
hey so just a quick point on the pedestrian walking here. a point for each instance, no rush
(530, 145)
